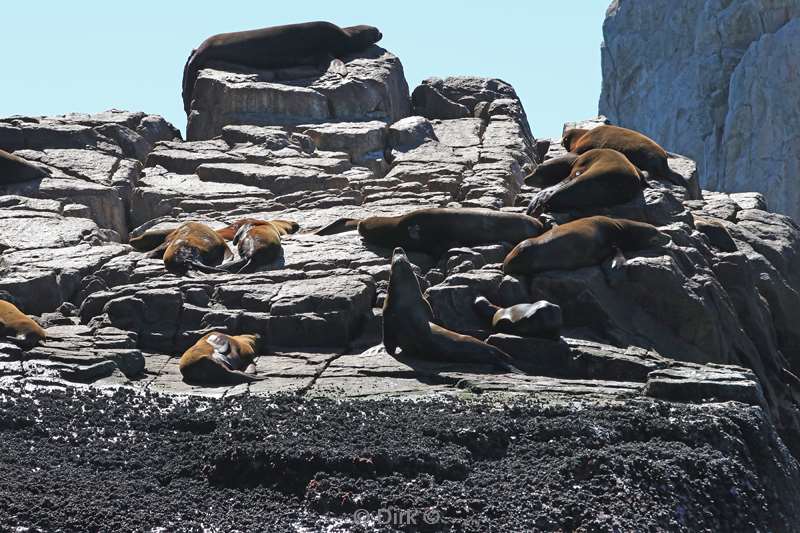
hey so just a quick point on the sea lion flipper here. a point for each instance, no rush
(338, 226)
(619, 260)
(157, 253)
(206, 269)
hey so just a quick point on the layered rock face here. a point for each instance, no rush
(716, 81)
(710, 319)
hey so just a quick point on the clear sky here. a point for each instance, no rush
(90, 56)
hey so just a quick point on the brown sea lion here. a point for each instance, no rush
(598, 178)
(150, 239)
(192, 245)
(436, 230)
(310, 43)
(14, 324)
(641, 150)
(717, 234)
(259, 243)
(551, 171)
(219, 359)
(14, 169)
(407, 323)
(539, 319)
(581, 243)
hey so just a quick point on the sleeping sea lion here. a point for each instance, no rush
(14, 169)
(310, 43)
(641, 150)
(598, 178)
(436, 230)
(539, 319)
(16, 325)
(219, 359)
(551, 171)
(260, 243)
(581, 243)
(192, 245)
(407, 323)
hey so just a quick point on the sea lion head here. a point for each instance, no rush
(570, 136)
(515, 262)
(363, 36)
(551, 171)
(641, 236)
(401, 267)
(177, 257)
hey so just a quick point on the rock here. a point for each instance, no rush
(410, 132)
(712, 84)
(374, 89)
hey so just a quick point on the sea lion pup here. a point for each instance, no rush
(192, 245)
(310, 43)
(435, 230)
(581, 243)
(16, 325)
(717, 234)
(539, 319)
(259, 243)
(598, 178)
(14, 169)
(642, 151)
(219, 359)
(407, 323)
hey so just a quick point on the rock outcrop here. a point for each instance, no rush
(711, 319)
(718, 83)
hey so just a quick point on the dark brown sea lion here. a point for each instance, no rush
(16, 325)
(717, 234)
(259, 243)
(642, 151)
(219, 359)
(310, 43)
(192, 246)
(581, 243)
(436, 230)
(14, 169)
(539, 319)
(598, 178)
(407, 323)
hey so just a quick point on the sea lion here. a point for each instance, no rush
(598, 178)
(551, 171)
(581, 243)
(407, 323)
(259, 243)
(150, 239)
(436, 230)
(219, 359)
(14, 324)
(14, 169)
(310, 43)
(539, 319)
(717, 234)
(641, 150)
(192, 245)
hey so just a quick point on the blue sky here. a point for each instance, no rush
(89, 56)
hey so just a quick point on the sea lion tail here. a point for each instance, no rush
(340, 226)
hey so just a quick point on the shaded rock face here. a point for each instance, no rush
(717, 83)
(710, 318)
(373, 89)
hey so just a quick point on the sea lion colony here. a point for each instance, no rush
(606, 166)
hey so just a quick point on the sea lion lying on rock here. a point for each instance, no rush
(596, 178)
(581, 243)
(16, 325)
(539, 319)
(192, 246)
(14, 169)
(641, 150)
(259, 243)
(220, 359)
(407, 323)
(436, 230)
(310, 43)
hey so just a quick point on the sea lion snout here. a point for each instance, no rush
(398, 254)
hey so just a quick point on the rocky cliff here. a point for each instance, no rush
(715, 80)
(674, 386)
